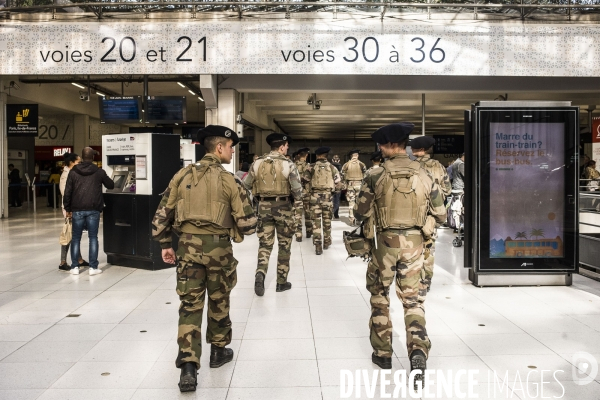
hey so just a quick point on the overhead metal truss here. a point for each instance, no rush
(503, 9)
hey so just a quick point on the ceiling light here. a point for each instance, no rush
(100, 94)
(78, 85)
(201, 99)
(192, 92)
(181, 84)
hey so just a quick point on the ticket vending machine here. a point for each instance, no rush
(521, 203)
(141, 165)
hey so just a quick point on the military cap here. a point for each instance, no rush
(355, 151)
(377, 156)
(303, 150)
(278, 137)
(322, 150)
(422, 142)
(393, 133)
(219, 131)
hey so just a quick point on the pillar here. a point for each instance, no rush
(225, 115)
(81, 133)
(3, 156)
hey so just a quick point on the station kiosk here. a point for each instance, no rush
(141, 165)
(190, 152)
(521, 193)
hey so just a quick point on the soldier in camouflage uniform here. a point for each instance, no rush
(422, 147)
(208, 208)
(273, 178)
(301, 164)
(377, 160)
(353, 173)
(388, 196)
(322, 177)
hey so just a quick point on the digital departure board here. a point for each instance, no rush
(121, 110)
(165, 109)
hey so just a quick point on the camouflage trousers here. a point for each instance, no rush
(307, 219)
(351, 193)
(321, 208)
(205, 264)
(400, 258)
(427, 271)
(275, 217)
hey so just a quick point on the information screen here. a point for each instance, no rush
(165, 109)
(527, 179)
(120, 110)
(528, 189)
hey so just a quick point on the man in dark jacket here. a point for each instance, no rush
(14, 180)
(83, 202)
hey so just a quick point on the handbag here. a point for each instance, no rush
(67, 233)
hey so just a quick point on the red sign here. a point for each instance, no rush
(596, 130)
(56, 153)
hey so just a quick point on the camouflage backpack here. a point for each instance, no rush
(357, 245)
(271, 176)
(322, 177)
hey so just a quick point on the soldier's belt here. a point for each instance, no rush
(214, 238)
(404, 232)
(277, 198)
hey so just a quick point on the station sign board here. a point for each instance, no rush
(337, 47)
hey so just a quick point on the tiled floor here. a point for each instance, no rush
(289, 345)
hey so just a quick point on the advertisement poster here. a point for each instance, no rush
(526, 190)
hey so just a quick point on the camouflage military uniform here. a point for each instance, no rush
(353, 186)
(321, 204)
(397, 256)
(205, 259)
(305, 209)
(440, 176)
(275, 215)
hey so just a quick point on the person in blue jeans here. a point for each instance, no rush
(83, 202)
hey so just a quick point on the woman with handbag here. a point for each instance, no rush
(71, 159)
(593, 176)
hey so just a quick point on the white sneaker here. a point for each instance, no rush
(95, 271)
(75, 271)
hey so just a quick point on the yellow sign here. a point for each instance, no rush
(19, 117)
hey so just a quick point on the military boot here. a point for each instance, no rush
(219, 356)
(318, 249)
(308, 235)
(282, 287)
(189, 377)
(299, 238)
(382, 362)
(418, 361)
(259, 284)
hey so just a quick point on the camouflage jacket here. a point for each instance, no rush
(438, 172)
(370, 191)
(293, 177)
(308, 172)
(241, 208)
(302, 165)
(373, 169)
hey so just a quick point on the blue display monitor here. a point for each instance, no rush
(165, 110)
(121, 110)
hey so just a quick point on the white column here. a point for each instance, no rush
(3, 156)
(226, 115)
(81, 136)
